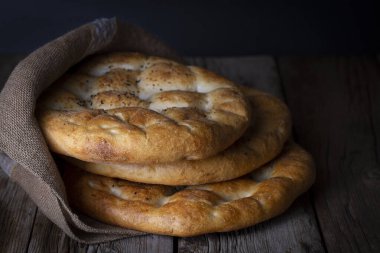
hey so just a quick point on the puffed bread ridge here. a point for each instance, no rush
(193, 210)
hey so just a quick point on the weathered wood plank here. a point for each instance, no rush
(335, 107)
(371, 75)
(143, 244)
(294, 231)
(17, 214)
(47, 237)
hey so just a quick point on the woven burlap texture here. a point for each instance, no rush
(25, 156)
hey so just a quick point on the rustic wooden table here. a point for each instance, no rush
(335, 102)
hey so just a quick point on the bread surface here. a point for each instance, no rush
(128, 107)
(193, 210)
(263, 140)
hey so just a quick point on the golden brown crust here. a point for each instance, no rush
(194, 210)
(262, 141)
(127, 107)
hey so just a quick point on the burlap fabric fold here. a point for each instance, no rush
(25, 156)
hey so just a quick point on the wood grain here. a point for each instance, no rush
(143, 244)
(335, 106)
(294, 231)
(47, 237)
(17, 214)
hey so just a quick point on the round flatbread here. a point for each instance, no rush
(263, 140)
(193, 210)
(127, 107)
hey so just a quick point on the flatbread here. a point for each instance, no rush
(193, 210)
(263, 140)
(128, 107)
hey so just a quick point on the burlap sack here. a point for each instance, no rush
(25, 157)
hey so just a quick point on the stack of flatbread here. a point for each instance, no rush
(153, 145)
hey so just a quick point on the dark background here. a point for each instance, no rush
(212, 28)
